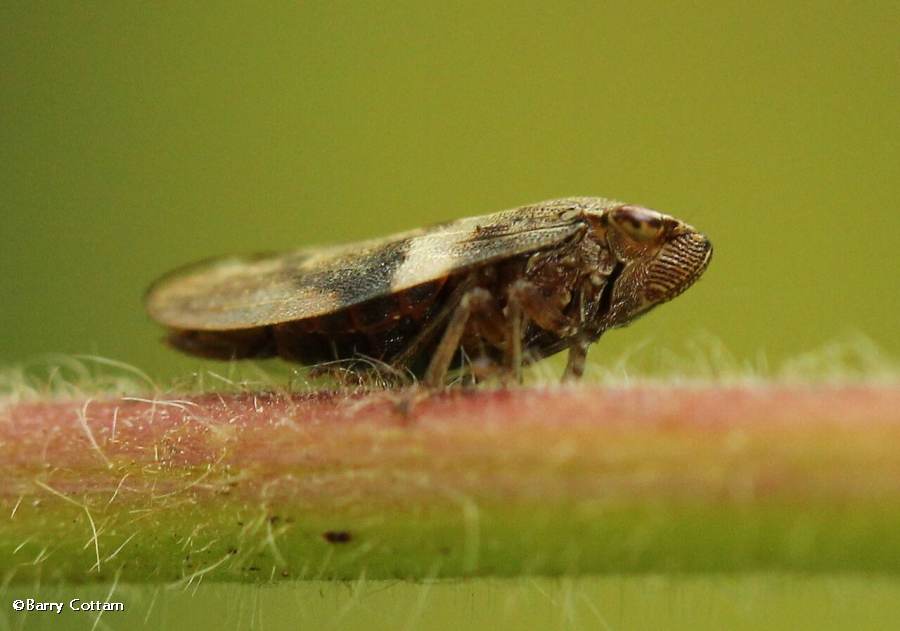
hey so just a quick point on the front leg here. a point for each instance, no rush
(580, 343)
(577, 357)
(546, 311)
(526, 300)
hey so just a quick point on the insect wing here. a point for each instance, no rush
(244, 292)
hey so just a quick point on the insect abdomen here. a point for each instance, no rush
(377, 329)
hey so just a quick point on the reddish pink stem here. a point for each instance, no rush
(716, 478)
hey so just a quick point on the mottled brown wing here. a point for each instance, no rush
(244, 292)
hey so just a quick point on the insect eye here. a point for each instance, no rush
(641, 224)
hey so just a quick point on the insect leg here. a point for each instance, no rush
(488, 329)
(526, 299)
(577, 356)
(431, 329)
(545, 311)
(516, 318)
(443, 354)
(580, 343)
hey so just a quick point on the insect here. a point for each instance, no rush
(480, 295)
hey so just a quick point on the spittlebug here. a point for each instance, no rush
(480, 294)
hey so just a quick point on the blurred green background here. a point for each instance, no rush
(136, 138)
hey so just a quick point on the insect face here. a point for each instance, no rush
(659, 257)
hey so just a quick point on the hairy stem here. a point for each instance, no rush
(262, 486)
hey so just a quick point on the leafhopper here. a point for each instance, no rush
(479, 295)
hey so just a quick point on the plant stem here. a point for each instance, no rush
(261, 486)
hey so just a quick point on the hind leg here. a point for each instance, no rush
(473, 300)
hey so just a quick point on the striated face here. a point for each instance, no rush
(658, 258)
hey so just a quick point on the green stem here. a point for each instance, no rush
(569, 480)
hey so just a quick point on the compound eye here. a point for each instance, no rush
(641, 224)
